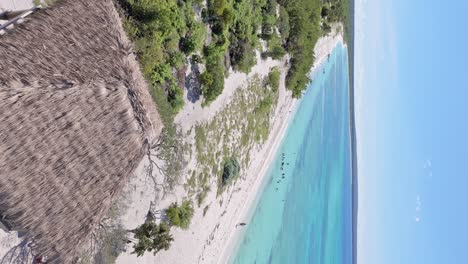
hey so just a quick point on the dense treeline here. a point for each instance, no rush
(166, 32)
(307, 21)
(153, 237)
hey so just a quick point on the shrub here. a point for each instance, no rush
(227, 16)
(215, 69)
(231, 171)
(194, 38)
(304, 19)
(267, 26)
(277, 52)
(180, 215)
(175, 97)
(176, 59)
(273, 79)
(219, 6)
(152, 237)
(187, 45)
(242, 56)
(206, 79)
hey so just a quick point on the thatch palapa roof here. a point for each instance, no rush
(75, 120)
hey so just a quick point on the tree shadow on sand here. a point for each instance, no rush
(192, 84)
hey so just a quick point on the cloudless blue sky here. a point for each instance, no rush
(412, 130)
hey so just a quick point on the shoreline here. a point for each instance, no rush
(248, 208)
(323, 47)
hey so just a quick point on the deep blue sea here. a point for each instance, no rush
(304, 214)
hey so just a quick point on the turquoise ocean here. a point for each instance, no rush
(304, 213)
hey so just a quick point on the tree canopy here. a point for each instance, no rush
(152, 237)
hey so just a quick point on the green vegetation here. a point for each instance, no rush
(234, 26)
(180, 216)
(152, 237)
(304, 21)
(231, 171)
(334, 11)
(156, 237)
(163, 30)
(242, 32)
(213, 79)
(305, 18)
(269, 19)
(274, 79)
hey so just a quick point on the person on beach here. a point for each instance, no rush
(41, 259)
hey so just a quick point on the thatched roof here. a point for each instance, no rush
(75, 120)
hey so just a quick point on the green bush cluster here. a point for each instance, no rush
(231, 170)
(212, 80)
(180, 216)
(156, 237)
(163, 30)
(302, 31)
(235, 29)
(274, 79)
(275, 48)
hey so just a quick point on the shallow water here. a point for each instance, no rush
(304, 212)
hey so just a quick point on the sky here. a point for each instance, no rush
(411, 98)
